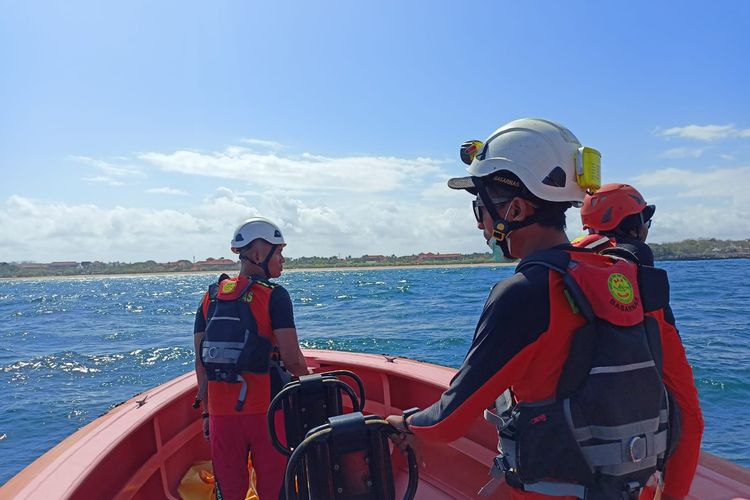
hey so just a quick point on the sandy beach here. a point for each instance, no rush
(295, 270)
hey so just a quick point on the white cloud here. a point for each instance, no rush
(227, 209)
(263, 144)
(167, 190)
(110, 168)
(44, 231)
(300, 173)
(104, 180)
(439, 190)
(338, 226)
(679, 153)
(704, 132)
(690, 205)
(325, 206)
(729, 184)
(704, 204)
(110, 173)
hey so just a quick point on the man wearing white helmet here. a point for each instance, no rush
(246, 349)
(567, 351)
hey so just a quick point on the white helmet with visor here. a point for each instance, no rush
(547, 158)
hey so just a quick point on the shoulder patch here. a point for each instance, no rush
(620, 288)
(610, 285)
(228, 287)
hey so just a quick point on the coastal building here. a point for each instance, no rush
(438, 256)
(212, 264)
(64, 265)
(373, 258)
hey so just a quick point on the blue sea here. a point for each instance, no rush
(70, 349)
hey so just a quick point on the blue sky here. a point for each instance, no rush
(147, 130)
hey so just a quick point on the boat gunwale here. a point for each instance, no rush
(78, 454)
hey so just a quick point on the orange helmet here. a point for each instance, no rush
(605, 209)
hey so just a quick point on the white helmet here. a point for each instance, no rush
(254, 228)
(542, 154)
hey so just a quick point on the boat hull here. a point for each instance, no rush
(142, 448)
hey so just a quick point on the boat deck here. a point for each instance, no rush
(142, 448)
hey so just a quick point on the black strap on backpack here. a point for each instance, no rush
(621, 252)
(584, 340)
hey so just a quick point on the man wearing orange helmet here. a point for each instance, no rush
(617, 215)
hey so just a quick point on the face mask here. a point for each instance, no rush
(497, 252)
(501, 251)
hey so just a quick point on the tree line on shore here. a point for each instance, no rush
(696, 249)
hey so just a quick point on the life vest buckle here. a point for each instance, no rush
(637, 448)
(501, 463)
(633, 490)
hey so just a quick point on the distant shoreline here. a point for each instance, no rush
(379, 267)
(686, 250)
(408, 266)
(231, 272)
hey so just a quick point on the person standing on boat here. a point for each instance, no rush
(523, 361)
(617, 215)
(234, 408)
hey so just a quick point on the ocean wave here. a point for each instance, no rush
(74, 348)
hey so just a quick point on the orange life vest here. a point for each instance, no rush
(223, 396)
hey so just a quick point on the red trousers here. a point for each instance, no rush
(232, 438)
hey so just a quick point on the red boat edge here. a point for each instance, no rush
(142, 448)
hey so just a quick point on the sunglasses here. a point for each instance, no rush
(646, 223)
(477, 204)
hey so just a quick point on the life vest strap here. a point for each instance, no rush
(619, 458)
(243, 393)
(498, 478)
(502, 471)
(624, 452)
(583, 304)
(555, 489)
(619, 431)
(499, 421)
(219, 352)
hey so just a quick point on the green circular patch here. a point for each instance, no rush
(621, 288)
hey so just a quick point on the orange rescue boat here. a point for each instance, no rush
(142, 448)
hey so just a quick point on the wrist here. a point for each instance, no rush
(408, 413)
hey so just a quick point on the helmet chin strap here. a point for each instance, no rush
(501, 227)
(263, 265)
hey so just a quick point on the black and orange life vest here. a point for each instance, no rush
(608, 427)
(239, 337)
